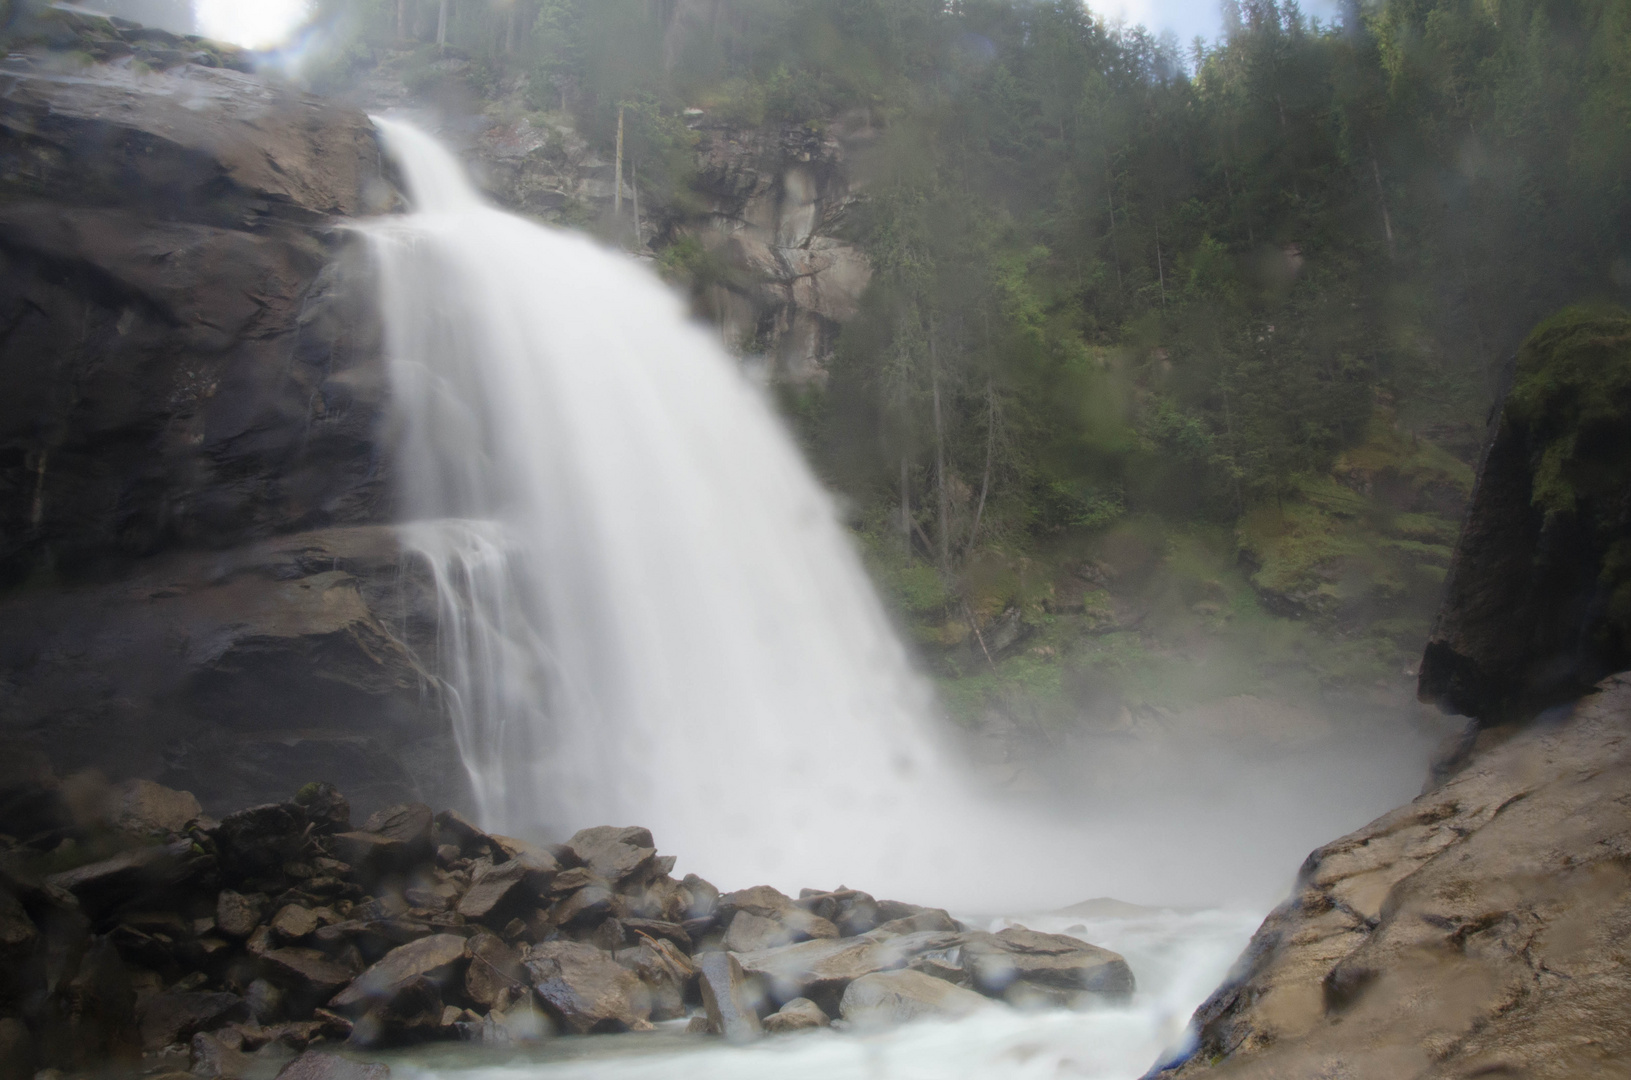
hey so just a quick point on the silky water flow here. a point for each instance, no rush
(650, 614)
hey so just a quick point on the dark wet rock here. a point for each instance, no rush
(318, 1065)
(586, 989)
(704, 897)
(327, 809)
(800, 1014)
(1477, 931)
(215, 1058)
(494, 972)
(18, 1056)
(96, 1011)
(410, 1011)
(237, 914)
(453, 827)
(306, 974)
(615, 855)
(1532, 613)
(668, 975)
(171, 1018)
(497, 893)
(440, 958)
(662, 899)
(731, 1006)
(294, 922)
(584, 908)
(410, 824)
(892, 997)
(103, 886)
(926, 920)
(658, 929)
(521, 1021)
(143, 807)
(255, 843)
(822, 967)
(1026, 966)
(18, 933)
(763, 918)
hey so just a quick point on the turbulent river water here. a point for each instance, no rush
(650, 614)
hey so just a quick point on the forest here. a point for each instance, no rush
(1176, 359)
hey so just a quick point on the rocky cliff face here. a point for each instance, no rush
(1478, 931)
(1538, 601)
(191, 475)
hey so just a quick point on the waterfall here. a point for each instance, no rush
(650, 613)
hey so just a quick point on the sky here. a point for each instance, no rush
(267, 23)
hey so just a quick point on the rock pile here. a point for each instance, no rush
(226, 947)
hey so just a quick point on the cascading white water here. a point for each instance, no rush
(650, 612)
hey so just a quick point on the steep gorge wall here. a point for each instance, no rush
(199, 582)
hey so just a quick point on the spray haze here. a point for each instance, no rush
(650, 614)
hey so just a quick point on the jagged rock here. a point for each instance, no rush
(763, 918)
(454, 827)
(141, 806)
(17, 931)
(410, 824)
(214, 1058)
(586, 907)
(407, 1012)
(305, 973)
(613, 854)
(264, 1000)
(800, 1014)
(255, 843)
(662, 899)
(171, 1018)
(317, 1065)
(496, 893)
(494, 972)
(666, 972)
(237, 914)
(522, 1021)
(730, 1005)
(439, 958)
(1024, 965)
(103, 886)
(704, 897)
(586, 988)
(928, 920)
(293, 922)
(327, 809)
(821, 968)
(657, 928)
(893, 997)
(97, 1011)
(1477, 931)
(18, 1057)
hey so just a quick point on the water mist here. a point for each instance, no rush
(650, 614)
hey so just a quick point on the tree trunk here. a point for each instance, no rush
(990, 447)
(1160, 267)
(617, 195)
(905, 507)
(939, 454)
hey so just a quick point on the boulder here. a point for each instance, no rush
(616, 855)
(1026, 966)
(497, 893)
(293, 922)
(522, 1021)
(800, 1014)
(454, 828)
(584, 908)
(821, 968)
(306, 974)
(494, 972)
(18, 1057)
(410, 824)
(237, 914)
(886, 998)
(171, 1017)
(327, 809)
(214, 1058)
(103, 886)
(1477, 931)
(667, 974)
(17, 931)
(439, 958)
(143, 807)
(317, 1065)
(731, 1006)
(255, 843)
(407, 1012)
(586, 989)
(774, 919)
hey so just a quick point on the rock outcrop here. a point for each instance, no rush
(1478, 931)
(196, 584)
(1538, 601)
(235, 944)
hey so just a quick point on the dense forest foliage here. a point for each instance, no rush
(1239, 306)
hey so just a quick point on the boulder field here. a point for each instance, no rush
(134, 928)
